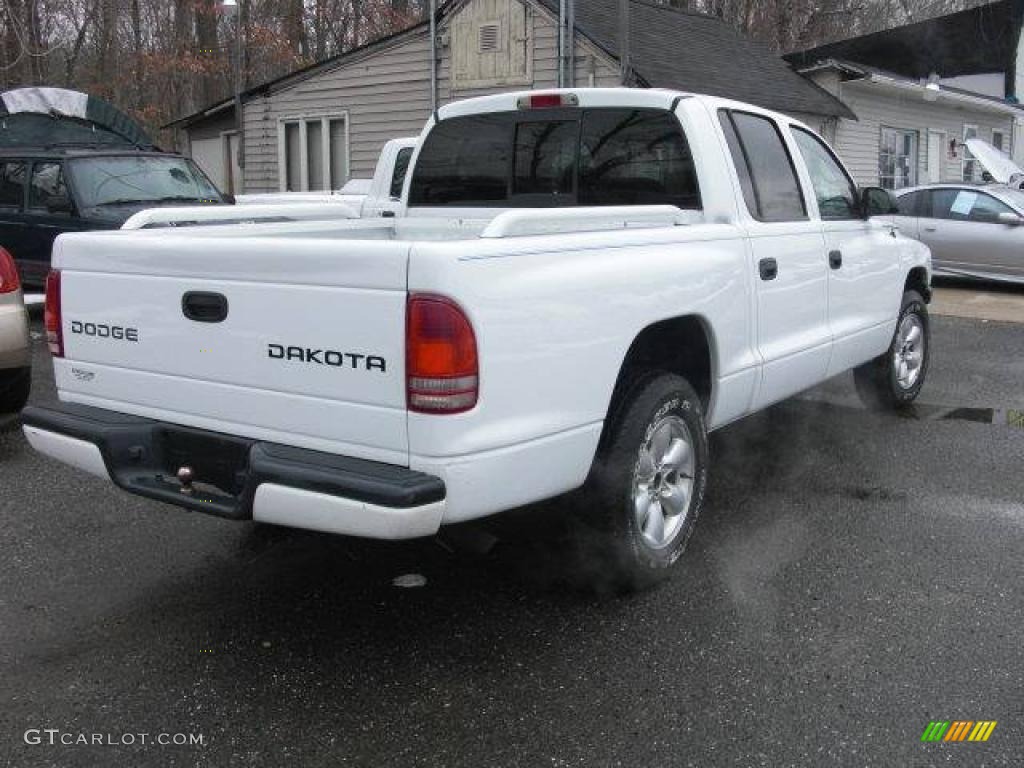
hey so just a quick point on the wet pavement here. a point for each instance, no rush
(854, 576)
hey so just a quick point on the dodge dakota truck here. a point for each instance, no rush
(580, 285)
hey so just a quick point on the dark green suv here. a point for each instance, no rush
(49, 191)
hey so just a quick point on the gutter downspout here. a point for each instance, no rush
(561, 43)
(571, 36)
(433, 58)
(624, 65)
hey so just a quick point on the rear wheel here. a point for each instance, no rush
(647, 485)
(895, 378)
(15, 385)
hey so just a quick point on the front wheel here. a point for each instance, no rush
(895, 378)
(647, 485)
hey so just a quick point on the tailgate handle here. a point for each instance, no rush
(204, 307)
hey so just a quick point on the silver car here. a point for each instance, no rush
(973, 231)
(15, 373)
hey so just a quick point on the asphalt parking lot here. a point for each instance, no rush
(854, 576)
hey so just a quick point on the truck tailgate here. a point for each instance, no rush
(309, 351)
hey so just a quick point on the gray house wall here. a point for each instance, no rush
(385, 93)
(876, 106)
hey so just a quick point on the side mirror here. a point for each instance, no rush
(875, 201)
(1009, 219)
(60, 205)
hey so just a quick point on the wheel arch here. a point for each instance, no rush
(684, 345)
(918, 280)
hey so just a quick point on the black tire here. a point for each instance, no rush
(878, 382)
(610, 508)
(15, 385)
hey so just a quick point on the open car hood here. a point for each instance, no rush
(997, 163)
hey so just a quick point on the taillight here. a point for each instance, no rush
(51, 315)
(9, 281)
(441, 369)
(548, 100)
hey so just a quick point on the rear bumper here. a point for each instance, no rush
(240, 478)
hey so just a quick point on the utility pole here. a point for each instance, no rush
(238, 67)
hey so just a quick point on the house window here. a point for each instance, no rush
(999, 140)
(970, 167)
(313, 153)
(897, 158)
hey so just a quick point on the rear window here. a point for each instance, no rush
(558, 158)
(636, 157)
(465, 161)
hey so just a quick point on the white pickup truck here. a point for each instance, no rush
(581, 284)
(378, 196)
(382, 195)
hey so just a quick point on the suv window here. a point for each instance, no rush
(12, 184)
(47, 188)
(772, 192)
(556, 158)
(834, 189)
(636, 157)
(398, 174)
(966, 205)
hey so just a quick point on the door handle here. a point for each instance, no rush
(929, 229)
(204, 307)
(835, 259)
(768, 268)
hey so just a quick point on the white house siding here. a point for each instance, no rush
(857, 142)
(386, 94)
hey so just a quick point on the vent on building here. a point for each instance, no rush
(489, 37)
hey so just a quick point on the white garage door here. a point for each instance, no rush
(209, 155)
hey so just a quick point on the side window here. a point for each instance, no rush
(776, 192)
(464, 162)
(47, 190)
(987, 209)
(635, 157)
(545, 159)
(966, 205)
(398, 174)
(835, 191)
(911, 204)
(938, 203)
(12, 184)
(739, 161)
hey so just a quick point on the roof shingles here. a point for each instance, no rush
(670, 48)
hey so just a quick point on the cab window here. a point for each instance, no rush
(762, 161)
(12, 184)
(47, 190)
(834, 189)
(398, 174)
